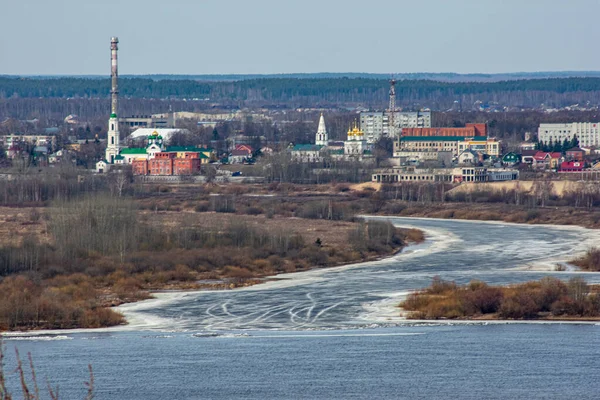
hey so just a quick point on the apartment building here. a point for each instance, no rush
(377, 124)
(588, 133)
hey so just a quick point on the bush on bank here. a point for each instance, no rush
(547, 298)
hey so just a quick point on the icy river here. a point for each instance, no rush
(336, 334)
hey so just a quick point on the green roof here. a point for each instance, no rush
(119, 157)
(307, 147)
(441, 138)
(134, 150)
(113, 115)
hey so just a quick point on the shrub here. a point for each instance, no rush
(518, 306)
(479, 298)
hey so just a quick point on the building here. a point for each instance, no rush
(468, 157)
(375, 125)
(113, 147)
(588, 133)
(355, 145)
(161, 121)
(321, 137)
(455, 144)
(499, 175)
(572, 166)
(162, 164)
(470, 130)
(308, 153)
(165, 133)
(511, 159)
(443, 157)
(450, 175)
(546, 160)
(21, 142)
(575, 153)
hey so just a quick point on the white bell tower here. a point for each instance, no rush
(321, 137)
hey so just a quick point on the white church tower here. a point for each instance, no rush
(112, 146)
(321, 137)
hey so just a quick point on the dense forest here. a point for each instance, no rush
(295, 92)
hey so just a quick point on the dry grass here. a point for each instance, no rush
(548, 298)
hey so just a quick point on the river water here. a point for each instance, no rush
(336, 334)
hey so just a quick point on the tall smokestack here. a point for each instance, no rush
(114, 91)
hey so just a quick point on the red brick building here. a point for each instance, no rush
(575, 153)
(139, 167)
(471, 130)
(161, 164)
(187, 163)
(169, 163)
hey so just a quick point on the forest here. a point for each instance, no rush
(296, 92)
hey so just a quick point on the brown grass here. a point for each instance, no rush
(548, 298)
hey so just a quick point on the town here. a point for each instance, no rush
(308, 200)
(385, 146)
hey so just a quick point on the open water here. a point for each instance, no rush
(335, 333)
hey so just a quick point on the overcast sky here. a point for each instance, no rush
(278, 36)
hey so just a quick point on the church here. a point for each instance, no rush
(172, 160)
(355, 146)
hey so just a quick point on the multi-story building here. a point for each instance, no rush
(455, 175)
(377, 124)
(454, 144)
(471, 130)
(8, 141)
(588, 133)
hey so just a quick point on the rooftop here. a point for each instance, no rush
(307, 147)
(443, 138)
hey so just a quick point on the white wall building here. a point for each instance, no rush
(588, 133)
(376, 124)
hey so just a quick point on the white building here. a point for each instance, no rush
(376, 124)
(321, 137)
(588, 133)
(355, 145)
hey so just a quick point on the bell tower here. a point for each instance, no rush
(321, 137)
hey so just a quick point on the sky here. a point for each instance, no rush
(72, 37)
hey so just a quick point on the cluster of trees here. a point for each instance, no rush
(546, 298)
(281, 167)
(305, 91)
(590, 261)
(559, 147)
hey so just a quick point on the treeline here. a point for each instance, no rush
(283, 168)
(548, 298)
(308, 91)
(35, 187)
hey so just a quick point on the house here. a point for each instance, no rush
(102, 166)
(239, 156)
(246, 148)
(547, 160)
(511, 159)
(575, 153)
(572, 166)
(307, 152)
(468, 157)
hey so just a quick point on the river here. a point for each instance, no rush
(336, 334)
